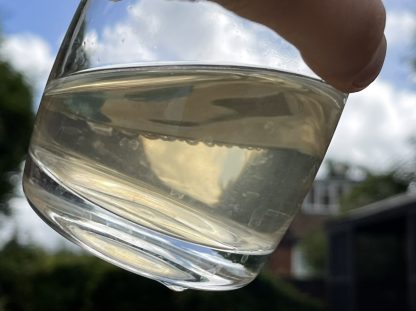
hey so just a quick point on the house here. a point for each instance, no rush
(372, 257)
(321, 203)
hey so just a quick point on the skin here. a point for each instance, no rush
(342, 41)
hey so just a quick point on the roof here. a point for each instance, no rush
(395, 206)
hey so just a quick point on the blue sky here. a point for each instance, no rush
(374, 130)
(49, 19)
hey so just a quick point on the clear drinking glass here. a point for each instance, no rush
(177, 140)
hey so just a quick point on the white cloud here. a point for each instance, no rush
(30, 55)
(401, 41)
(27, 226)
(400, 27)
(154, 30)
(378, 122)
(30, 229)
(376, 126)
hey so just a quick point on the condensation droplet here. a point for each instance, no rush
(134, 144)
(124, 142)
(253, 194)
(81, 139)
(236, 208)
(269, 126)
(214, 269)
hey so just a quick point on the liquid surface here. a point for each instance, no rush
(219, 157)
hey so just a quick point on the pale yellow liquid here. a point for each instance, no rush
(219, 157)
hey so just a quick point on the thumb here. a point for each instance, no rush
(342, 41)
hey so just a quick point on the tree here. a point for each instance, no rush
(16, 121)
(32, 279)
(374, 188)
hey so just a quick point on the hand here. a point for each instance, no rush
(342, 41)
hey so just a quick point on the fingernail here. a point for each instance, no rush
(373, 68)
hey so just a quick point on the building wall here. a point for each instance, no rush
(325, 195)
(280, 262)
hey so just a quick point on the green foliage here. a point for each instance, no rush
(31, 279)
(16, 121)
(337, 170)
(374, 188)
(315, 250)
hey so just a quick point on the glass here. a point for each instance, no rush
(177, 140)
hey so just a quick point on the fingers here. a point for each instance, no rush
(342, 40)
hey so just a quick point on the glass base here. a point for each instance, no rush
(176, 263)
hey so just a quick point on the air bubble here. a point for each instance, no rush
(192, 142)
(167, 138)
(176, 194)
(209, 141)
(150, 136)
(259, 160)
